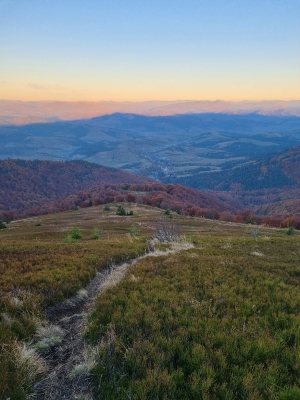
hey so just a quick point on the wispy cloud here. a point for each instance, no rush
(45, 87)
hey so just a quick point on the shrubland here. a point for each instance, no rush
(218, 321)
(45, 263)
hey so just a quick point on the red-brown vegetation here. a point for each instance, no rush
(26, 184)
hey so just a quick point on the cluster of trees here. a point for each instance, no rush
(176, 198)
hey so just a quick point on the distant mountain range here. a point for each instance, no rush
(159, 147)
(26, 112)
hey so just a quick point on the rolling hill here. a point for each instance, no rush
(270, 186)
(27, 184)
(176, 198)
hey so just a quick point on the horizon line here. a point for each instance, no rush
(154, 100)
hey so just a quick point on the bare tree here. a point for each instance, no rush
(166, 230)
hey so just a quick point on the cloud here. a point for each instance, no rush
(36, 86)
(49, 88)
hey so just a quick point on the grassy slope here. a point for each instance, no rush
(218, 321)
(37, 269)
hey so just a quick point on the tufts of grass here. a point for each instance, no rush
(84, 369)
(48, 336)
(20, 366)
(133, 230)
(29, 361)
(82, 294)
(38, 270)
(217, 325)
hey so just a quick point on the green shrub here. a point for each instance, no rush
(121, 211)
(168, 213)
(133, 230)
(290, 231)
(96, 234)
(76, 233)
(2, 225)
(106, 208)
(69, 239)
(250, 221)
(256, 234)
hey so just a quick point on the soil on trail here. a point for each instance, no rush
(71, 317)
(61, 359)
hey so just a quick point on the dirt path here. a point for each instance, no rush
(70, 318)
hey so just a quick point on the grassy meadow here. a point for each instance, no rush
(40, 265)
(218, 321)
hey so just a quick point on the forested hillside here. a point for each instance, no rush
(270, 186)
(175, 198)
(273, 172)
(27, 184)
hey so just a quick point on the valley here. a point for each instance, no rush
(158, 147)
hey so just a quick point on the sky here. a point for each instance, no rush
(138, 50)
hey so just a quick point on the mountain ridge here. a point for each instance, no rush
(24, 112)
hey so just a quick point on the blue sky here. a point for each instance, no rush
(149, 50)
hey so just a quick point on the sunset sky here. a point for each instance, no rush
(137, 50)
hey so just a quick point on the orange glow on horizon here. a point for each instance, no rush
(146, 92)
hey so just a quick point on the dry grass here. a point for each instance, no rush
(47, 337)
(84, 369)
(37, 269)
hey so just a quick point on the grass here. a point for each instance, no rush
(39, 268)
(48, 336)
(215, 321)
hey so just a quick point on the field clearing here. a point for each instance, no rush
(151, 313)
